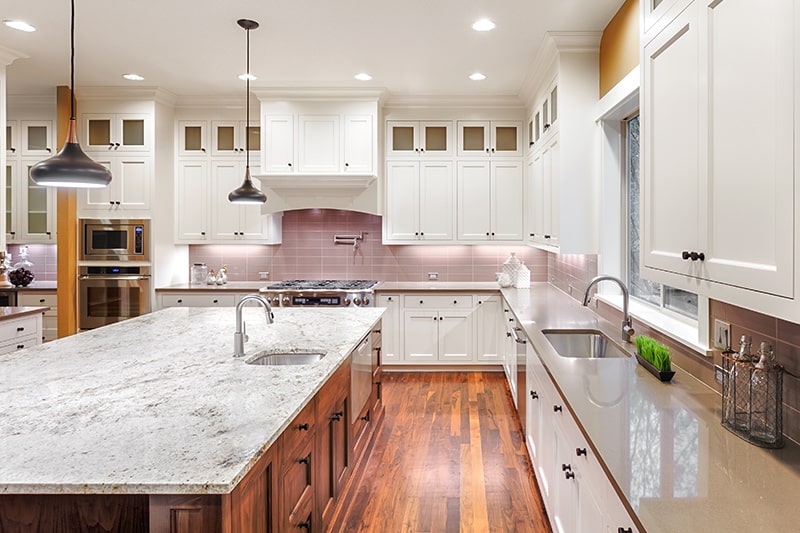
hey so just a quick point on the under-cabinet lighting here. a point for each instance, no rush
(19, 25)
(477, 76)
(483, 25)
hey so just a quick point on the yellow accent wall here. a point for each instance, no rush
(619, 46)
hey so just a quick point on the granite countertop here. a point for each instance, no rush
(412, 286)
(158, 404)
(232, 286)
(10, 313)
(663, 444)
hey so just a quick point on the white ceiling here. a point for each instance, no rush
(195, 47)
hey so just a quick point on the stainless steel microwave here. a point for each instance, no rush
(114, 240)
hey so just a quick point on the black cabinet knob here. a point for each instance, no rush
(303, 427)
(216, 301)
(20, 346)
(20, 328)
(180, 300)
(290, 164)
(580, 451)
(305, 460)
(534, 395)
(624, 530)
(305, 524)
(695, 256)
(556, 408)
(347, 164)
(337, 416)
(685, 255)
(565, 467)
(365, 418)
(569, 475)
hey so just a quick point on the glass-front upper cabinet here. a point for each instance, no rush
(116, 132)
(11, 227)
(423, 138)
(36, 137)
(193, 138)
(39, 204)
(489, 138)
(234, 137)
(654, 12)
(12, 143)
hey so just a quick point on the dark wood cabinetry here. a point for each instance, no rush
(333, 440)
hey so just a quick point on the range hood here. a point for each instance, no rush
(351, 192)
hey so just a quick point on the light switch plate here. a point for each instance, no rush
(722, 334)
(263, 275)
(433, 276)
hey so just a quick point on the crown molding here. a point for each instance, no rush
(267, 94)
(112, 93)
(209, 101)
(453, 102)
(31, 100)
(8, 56)
(553, 44)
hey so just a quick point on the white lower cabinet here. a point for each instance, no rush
(198, 299)
(578, 495)
(489, 330)
(20, 333)
(390, 328)
(510, 353)
(42, 298)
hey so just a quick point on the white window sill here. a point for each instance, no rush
(678, 330)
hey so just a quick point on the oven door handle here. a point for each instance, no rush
(113, 278)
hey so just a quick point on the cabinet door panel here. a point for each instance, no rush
(225, 221)
(420, 336)
(402, 200)
(473, 201)
(750, 192)
(279, 141)
(507, 201)
(100, 198)
(489, 331)
(358, 137)
(455, 336)
(436, 200)
(390, 348)
(319, 143)
(133, 187)
(670, 145)
(191, 211)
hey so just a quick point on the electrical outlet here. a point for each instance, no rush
(722, 334)
(433, 276)
(719, 374)
(263, 275)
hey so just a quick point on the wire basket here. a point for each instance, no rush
(752, 400)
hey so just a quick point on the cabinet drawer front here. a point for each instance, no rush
(198, 300)
(37, 299)
(19, 344)
(438, 301)
(296, 484)
(300, 430)
(17, 329)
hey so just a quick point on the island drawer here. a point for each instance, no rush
(17, 329)
(438, 301)
(197, 300)
(38, 298)
(300, 430)
(298, 497)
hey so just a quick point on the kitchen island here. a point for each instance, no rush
(158, 405)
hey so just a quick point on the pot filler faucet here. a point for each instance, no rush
(240, 337)
(627, 329)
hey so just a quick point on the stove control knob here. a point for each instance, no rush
(366, 300)
(357, 300)
(286, 300)
(276, 300)
(347, 302)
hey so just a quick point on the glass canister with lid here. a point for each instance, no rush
(199, 274)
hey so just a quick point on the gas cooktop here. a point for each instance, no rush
(323, 285)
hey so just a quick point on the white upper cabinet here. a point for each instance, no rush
(116, 132)
(490, 200)
(193, 138)
(12, 138)
(192, 220)
(420, 201)
(30, 208)
(129, 190)
(238, 222)
(724, 210)
(234, 138)
(320, 138)
(489, 138)
(36, 138)
(406, 139)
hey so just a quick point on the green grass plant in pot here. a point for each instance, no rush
(654, 356)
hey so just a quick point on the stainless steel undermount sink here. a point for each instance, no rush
(583, 344)
(298, 357)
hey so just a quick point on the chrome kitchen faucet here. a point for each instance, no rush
(240, 337)
(627, 328)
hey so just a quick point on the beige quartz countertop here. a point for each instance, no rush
(662, 443)
(416, 286)
(10, 313)
(158, 404)
(231, 286)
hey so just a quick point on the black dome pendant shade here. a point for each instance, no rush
(71, 167)
(248, 193)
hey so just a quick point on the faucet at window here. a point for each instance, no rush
(627, 328)
(240, 336)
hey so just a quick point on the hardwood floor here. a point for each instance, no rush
(449, 457)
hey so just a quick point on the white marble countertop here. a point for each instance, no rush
(663, 444)
(462, 286)
(158, 404)
(10, 313)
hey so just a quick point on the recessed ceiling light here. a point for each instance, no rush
(477, 76)
(483, 25)
(19, 25)
(132, 77)
(247, 76)
(363, 76)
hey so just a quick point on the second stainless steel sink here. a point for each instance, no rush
(583, 344)
(287, 358)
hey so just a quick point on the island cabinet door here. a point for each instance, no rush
(297, 497)
(254, 501)
(333, 442)
(185, 513)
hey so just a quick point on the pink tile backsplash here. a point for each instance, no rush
(308, 251)
(43, 256)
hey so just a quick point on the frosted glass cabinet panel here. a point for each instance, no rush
(116, 132)
(36, 138)
(419, 138)
(489, 138)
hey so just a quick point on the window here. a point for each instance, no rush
(679, 301)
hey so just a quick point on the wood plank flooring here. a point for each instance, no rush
(449, 457)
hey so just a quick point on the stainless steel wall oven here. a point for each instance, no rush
(108, 294)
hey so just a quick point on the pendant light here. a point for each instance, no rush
(248, 193)
(71, 167)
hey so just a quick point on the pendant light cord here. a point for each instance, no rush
(247, 105)
(72, 64)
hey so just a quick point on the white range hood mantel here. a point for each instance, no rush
(351, 192)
